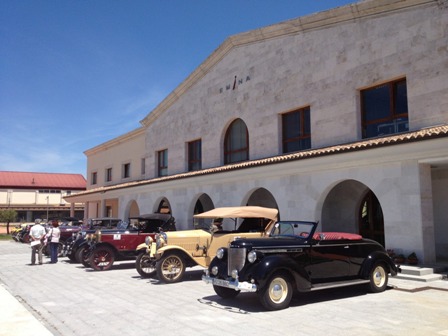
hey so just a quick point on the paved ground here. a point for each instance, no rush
(67, 299)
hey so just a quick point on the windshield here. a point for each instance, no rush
(292, 229)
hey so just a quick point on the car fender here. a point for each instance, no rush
(143, 247)
(177, 249)
(99, 245)
(262, 271)
(374, 257)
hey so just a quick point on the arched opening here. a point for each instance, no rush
(350, 206)
(204, 203)
(262, 197)
(236, 142)
(371, 220)
(164, 207)
(133, 209)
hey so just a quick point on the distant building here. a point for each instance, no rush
(339, 116)
(40, 195)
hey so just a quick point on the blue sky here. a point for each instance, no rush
(77, 73)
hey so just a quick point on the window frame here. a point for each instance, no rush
(393, 114)
(162, 163)
(230, 153)
(108, 174)
(304, 114)
(126, 170)
(143, 166)
(94, 178)
(194, 155)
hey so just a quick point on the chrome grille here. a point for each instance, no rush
(237, 258)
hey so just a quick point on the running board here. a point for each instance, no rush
(338, 284)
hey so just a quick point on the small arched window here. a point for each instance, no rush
(236, 142)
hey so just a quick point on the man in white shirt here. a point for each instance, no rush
(37, 234)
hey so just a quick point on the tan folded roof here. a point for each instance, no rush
(240, 212)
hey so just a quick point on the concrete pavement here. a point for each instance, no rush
(67, 299)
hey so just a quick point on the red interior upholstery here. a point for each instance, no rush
(336, 236)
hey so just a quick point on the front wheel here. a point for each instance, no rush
(170, 268)
(146, 266)
(378, 278)
(277, 293)
(102, 258)
(225, 293)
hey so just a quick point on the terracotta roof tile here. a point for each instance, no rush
(25, 180)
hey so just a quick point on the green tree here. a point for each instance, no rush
(8, 216)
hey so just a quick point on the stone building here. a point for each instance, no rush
(339, 116)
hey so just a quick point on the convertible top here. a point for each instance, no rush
(240, 212)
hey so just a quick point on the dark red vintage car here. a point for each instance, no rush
(294, 258)
(106, 246)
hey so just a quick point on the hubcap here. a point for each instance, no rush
(379, 276)
(172, 267)
(278, 290)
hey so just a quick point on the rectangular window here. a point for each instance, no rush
(162, 162)
(296, 130)
(194, 155)
(384, 109)
(126, 170)
(108, 174)
(143, 166)
(94, 178)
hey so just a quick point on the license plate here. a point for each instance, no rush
(220, 282)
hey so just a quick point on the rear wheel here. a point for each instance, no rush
(146, 266)
(225, 293)
(102, 258)
(171, 267)
(378, 278)
(277, 293)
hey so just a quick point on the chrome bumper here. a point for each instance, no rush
(233, 284)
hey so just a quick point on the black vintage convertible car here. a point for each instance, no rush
(296, 258)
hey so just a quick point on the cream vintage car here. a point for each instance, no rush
(169, 253)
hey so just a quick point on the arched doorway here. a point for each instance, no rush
(133, 209)
(204, 203)
(350, 206)
(164, 207)
(371, 220)
(262, 197)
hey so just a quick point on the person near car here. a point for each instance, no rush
(52, 237)
(37, 234)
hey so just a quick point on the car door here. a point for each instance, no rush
(329, 261)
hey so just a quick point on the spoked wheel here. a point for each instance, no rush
(378, 278)
(170, 268)
(102, 258)
(145, 265)
(225, 293)
(277, 293)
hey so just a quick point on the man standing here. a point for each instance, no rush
(37, 234)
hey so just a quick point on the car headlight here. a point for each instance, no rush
(220, 253)
(215, 270)
(149, 240)
(160, 240)
(252, 256)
